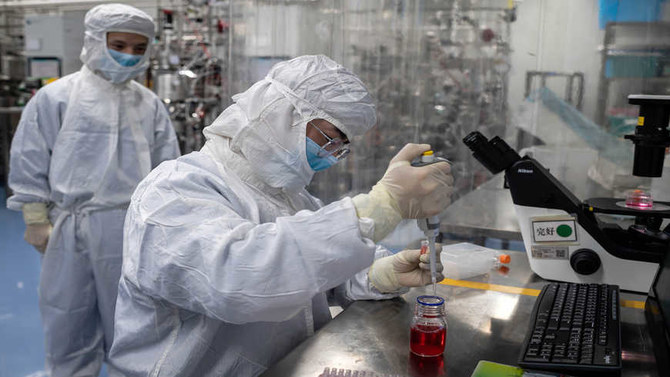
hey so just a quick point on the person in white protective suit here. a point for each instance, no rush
(229, 262)
(83, 144)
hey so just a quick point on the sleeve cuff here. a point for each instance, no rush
(35, 213)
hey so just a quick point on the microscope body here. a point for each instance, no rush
(565, 239)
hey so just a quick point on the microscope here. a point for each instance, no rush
(570, 240)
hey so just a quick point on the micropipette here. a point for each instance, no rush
(431, 228)
(431, 225)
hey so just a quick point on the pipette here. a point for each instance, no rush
(430, 226)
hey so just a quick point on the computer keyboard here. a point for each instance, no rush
(574, 329)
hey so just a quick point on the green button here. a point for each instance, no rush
(564, 230)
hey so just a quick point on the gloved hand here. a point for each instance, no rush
(408, 268)
(406, 192)
(38, 227)
(38, 236)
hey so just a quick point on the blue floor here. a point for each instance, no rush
(21, 338)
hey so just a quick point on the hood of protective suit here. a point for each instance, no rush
(114, 18)
(267, 123)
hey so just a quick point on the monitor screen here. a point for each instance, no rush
(43, 67)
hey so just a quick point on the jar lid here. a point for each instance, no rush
(430, 300)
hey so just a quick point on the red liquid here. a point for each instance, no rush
(427, 340)
(638, 203)
(639, 199)
(420, 366)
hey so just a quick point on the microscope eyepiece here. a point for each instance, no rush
(494, 154)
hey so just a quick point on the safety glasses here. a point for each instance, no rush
(337, 147)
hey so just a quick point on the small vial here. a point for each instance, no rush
(424, 247)
(428, 331)
(639, 199)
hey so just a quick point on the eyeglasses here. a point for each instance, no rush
(336, 147)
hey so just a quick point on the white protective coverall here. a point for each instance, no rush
(82, 146)
(228, 261)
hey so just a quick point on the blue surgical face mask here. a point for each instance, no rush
(126, 60)
(316, 162)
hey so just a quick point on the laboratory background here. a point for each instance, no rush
(551, 78)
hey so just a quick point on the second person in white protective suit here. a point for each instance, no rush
(229, 262)
(83, 144)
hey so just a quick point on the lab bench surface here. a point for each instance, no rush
(487, 319)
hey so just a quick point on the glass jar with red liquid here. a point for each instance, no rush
(428, 331)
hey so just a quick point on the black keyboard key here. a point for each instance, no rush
(537, 358)
(606, 357)
(602, 339)
(559, 359)
(562, 337)
(545, 306)
(559, 351)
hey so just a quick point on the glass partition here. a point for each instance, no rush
(551, 78)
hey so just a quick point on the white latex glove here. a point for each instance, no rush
(406, 192)
(38, 227)
(408, 268)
